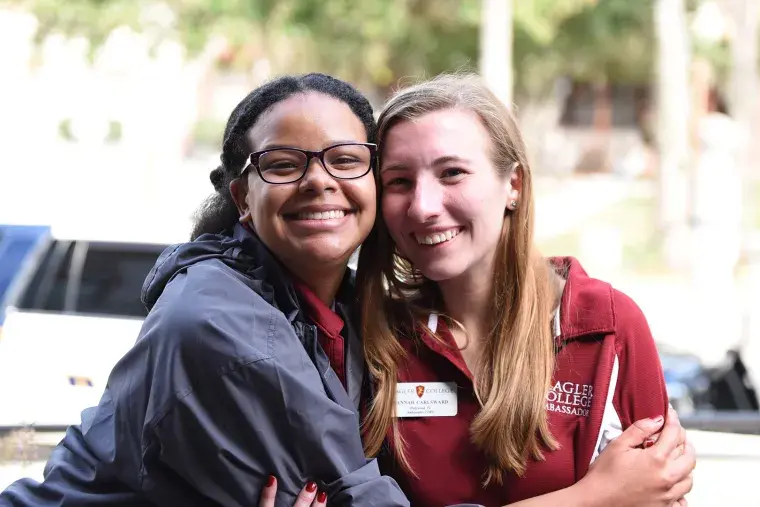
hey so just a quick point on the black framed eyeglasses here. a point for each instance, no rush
(345, 161)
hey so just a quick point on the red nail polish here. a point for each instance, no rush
(322, 497)
(311, 487)
(648, 443)
(270, 481)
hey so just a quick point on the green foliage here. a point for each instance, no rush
(610, 39)
(376, 43)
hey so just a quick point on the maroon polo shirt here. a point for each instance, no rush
(607, 376)
(329, 325)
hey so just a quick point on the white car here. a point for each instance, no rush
(72, 311)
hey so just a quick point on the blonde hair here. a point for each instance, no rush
(518, 355)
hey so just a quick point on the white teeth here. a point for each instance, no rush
(321, 215)
(439, 237)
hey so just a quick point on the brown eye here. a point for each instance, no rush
(453, 172)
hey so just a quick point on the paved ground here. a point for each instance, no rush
(727, 474)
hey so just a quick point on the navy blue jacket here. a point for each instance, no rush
(225, 385)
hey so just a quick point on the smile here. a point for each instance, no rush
(320, 215)
(438, 237)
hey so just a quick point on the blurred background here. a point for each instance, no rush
(642, 119)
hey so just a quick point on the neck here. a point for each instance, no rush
(467, 300)
(323, 282)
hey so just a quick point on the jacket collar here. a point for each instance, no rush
(278, 284)
(586, 306)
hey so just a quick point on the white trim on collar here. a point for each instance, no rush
(433, 322)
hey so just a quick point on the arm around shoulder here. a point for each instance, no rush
(246, 412)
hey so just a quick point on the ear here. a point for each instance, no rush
(239, 192)
(514, 186)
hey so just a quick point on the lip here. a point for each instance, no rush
(318, 208)
(436, 230)
(297, 222)
(312, 225)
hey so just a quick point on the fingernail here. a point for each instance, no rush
(270, 481)
(648, 443)
(311, 487)
(322, 497)
(658, 419)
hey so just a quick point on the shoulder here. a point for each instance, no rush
(627, 312)
(632, 333)
(592, 306)
(212, 315)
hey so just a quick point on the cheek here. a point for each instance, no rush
(465, 203)
(471, 204)
(394, 212)
(265, 204)
(363, 194)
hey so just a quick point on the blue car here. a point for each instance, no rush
(19, 247)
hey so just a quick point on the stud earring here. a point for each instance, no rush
(513, 203)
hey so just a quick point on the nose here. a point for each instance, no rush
(427, 200)
(317, 179)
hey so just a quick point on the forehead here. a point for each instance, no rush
(449, 132)
(308, 120)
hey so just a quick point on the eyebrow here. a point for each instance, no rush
(448, 158)
(439, 161)
(291, 147)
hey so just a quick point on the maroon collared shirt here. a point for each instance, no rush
(329, 325)
(607, 376)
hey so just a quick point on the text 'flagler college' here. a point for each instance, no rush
(570, 398)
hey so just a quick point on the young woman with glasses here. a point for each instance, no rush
(249, 366)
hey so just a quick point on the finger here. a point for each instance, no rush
(321, 500)
(269, 493)
(680, 448)
(306, 496)
(682, 466)
(670, 436)
(687, 459)
(682, 488)
(649, 442)
(677, 452)
(637, 433)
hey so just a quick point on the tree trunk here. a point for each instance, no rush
(743, 98)
(672, 96)
(496, 47)
(745, 109)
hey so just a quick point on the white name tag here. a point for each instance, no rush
(426, 399)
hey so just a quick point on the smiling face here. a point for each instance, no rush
(443, 201)
(317, 221)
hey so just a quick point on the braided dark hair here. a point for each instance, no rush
(218, 213)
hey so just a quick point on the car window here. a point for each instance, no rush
(91, 278)
(112, 279)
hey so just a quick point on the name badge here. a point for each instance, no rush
(426, 399)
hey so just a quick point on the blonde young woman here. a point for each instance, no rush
(499, 376)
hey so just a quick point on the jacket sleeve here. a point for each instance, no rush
(245, 413)
(640, 391)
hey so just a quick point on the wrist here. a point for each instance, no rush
(587, 493)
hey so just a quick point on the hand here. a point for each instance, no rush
(660, 475)
(308, 497)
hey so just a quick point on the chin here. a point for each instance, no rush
(440, 272)
(320, 255)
